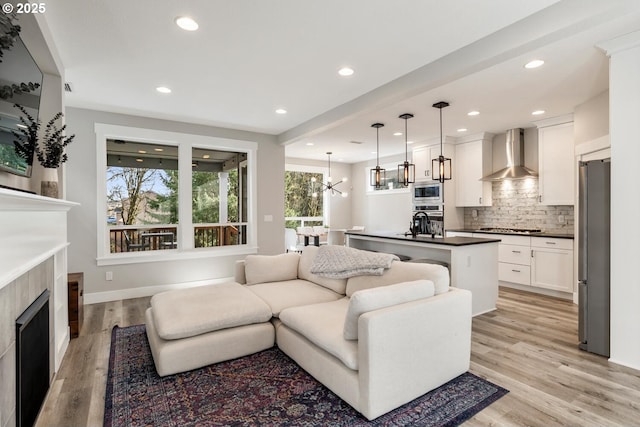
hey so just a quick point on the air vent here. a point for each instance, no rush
(68, 87)
(356, 142)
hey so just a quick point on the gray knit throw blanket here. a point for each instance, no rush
(341, 262)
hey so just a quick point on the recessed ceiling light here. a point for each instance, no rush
(473, 113)
(309, 144)
(538, 112)
(462, 130)
(158, 149)
(409, 142)
(186, 23)
(397, 134)
(163, 89)
(281, 111)
(139, 160)
(206, 156)
(142, 152)
(534, 64)
(345, 71)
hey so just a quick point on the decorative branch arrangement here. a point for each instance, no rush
(52, 154)
(27, 135)
(8, 32)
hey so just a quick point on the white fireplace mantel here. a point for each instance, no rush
(32, 229)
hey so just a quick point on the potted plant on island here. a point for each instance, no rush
(51, 155)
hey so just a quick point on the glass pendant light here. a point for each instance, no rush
(441, 166)
(406, 170)
(377, 174)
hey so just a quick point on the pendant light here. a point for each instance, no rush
(377, 176)
(441, 166)
(329, 185)
(406, 170)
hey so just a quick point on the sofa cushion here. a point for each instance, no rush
(271, 268)
(402, 272)
(292, 293)
(381, 297)
(322, 324)
(183, 313)
(304, 272)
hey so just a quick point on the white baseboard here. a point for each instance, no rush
(99, 297)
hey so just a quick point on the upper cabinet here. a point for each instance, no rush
(556, 158)
(473, 160)
(422, 157)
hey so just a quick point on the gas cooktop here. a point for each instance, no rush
(510, 230)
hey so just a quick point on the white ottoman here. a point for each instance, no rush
(192, 328)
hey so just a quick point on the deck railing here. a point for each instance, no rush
(134, 238)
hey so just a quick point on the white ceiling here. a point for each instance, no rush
(251, 57)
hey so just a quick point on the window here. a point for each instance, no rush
(301, 207)
(391, 182)
(166, 195)
(141, 208)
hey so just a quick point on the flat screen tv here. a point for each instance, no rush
(17, 68)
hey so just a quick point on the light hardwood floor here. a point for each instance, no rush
(528, 346)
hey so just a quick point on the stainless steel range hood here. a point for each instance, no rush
(515, 159)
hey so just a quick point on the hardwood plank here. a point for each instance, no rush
(528, 345)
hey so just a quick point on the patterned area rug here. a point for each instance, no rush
(264, 389)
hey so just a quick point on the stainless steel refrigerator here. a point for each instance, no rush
(594, 215)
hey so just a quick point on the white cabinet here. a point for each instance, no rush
(552, 263)
(514, 259)
(422, 159)
(556, 159)
(538, 262)
(473, 161)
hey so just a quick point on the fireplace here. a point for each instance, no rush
(32, 360)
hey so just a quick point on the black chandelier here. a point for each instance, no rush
(406, 170)
(329, 185)
(377, 174)
(441, 165)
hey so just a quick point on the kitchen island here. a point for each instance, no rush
(472, 261)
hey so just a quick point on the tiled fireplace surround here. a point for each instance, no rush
(32, 259)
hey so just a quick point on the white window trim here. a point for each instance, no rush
(185, 143)
(370, 192)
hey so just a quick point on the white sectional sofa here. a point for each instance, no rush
(378, 342)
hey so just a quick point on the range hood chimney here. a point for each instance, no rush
(515, 159)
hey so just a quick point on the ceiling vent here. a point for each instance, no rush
(68, 87)
(356, 142)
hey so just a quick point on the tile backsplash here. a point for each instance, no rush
(515, 205)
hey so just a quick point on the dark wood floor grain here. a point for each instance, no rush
(528, 345)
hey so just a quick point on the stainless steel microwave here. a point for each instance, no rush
(427, 193)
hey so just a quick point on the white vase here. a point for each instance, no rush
(49, 184)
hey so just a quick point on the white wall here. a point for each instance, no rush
(624, 104)
(591, 119)
(132, 279)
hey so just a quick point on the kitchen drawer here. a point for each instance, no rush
(552, 243)
(514, 273)
(514, 254)
(510, 239)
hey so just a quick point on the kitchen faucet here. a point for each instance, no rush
(415, 229)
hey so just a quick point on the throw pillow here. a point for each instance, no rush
(271, 268)
(381, 297)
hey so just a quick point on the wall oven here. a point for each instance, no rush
(427, 193)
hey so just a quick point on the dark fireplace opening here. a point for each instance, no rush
(32, 360)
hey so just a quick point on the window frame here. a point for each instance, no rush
(370, 192)
(185, 143)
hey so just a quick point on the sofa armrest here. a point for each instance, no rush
(409, 349)
(238, 273)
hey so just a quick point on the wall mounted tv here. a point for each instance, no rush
(17, 68)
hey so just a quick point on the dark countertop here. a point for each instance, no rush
(448, 241)
(542, 234)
